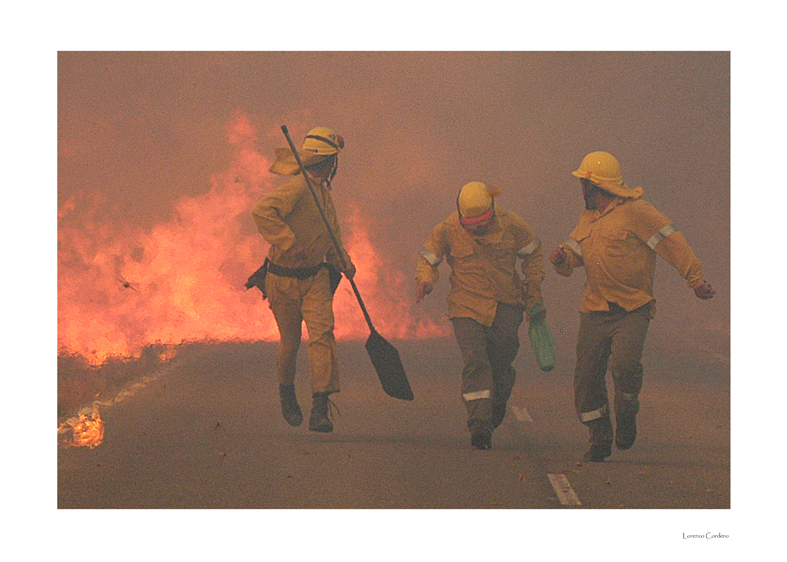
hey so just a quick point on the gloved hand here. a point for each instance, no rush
(536, 312)
(349, 270)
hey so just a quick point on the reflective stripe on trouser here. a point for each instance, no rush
(292, 302)
(608, 342)
(487, 353)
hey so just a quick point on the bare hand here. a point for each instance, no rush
(704, 291)
(421, 290)
(558, 256)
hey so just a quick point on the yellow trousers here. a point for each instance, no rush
(310, 300)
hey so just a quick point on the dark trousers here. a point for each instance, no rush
(609, 342)
(487, 352)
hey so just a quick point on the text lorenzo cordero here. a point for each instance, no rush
(708, 535)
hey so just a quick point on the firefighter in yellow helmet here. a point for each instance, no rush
(617, 240)
(302, 271)
(482, 243)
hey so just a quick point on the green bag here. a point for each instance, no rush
(544, 347)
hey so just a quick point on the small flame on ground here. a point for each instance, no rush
(82, 431)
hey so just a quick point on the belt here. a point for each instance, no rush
(296, 272)
(615, 308)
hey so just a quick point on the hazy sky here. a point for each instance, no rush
(146, 129)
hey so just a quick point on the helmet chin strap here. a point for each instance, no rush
(334, 169)
(588, 205)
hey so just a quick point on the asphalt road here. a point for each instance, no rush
(205, 432)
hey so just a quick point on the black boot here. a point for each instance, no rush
(598, 452)
(626, 431)
(318, 421)
(480, 434)
(498, 414)
(289, 405)
(481, 439)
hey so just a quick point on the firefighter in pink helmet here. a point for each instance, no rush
(482, 244)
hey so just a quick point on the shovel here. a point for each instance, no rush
(384, 356)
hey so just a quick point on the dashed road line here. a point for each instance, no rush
(565, 493)
(521, 414)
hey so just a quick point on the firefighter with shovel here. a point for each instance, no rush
(488, 299)
(617, 239)
(302, 269)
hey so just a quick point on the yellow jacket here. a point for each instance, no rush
(289, 214)
(483, 268)
(618, 248)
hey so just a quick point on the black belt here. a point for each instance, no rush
(296, 272)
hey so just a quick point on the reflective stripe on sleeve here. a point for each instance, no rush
(661, 235)
(574, 245)
(430, 257)
(529, 249)
(478, 395)
(593, 415)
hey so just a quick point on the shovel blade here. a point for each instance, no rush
(388, 365)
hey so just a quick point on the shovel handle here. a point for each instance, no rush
(363, 307)
(327, 224)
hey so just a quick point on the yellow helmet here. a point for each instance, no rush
(599, 167)
(322, 141)
(603, 169)
(474, 199)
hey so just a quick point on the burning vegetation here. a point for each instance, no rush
(84, 430)
(123, 289)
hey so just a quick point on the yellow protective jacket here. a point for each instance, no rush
(289, 214)
(618, 248)
(483, 268)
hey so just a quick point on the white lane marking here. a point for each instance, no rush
(565, 493)
(521, 414)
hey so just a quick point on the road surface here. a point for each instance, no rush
(205, 431)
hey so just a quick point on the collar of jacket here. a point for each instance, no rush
(614, 204)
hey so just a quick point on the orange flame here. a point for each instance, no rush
(121, 288)
(84, 431)
(385, 292)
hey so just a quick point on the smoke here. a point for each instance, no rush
(162, 156)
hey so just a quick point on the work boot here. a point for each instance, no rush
(318, 421)
(626, 431)
(289, 405)
(598, 452)
(481, 438)
(498, 414)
